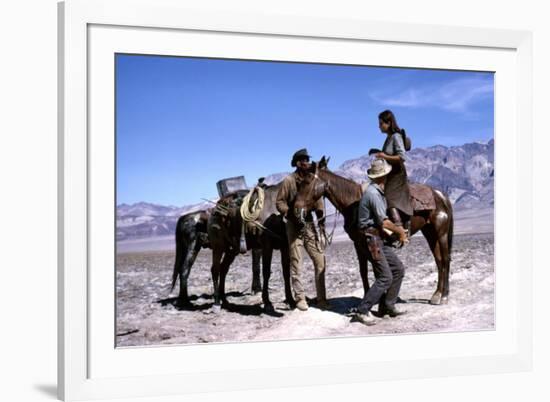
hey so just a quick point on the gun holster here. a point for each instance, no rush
(374, 243)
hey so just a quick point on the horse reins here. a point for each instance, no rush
(336, 214)
(302, 218)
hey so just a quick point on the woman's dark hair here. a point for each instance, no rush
(388, 117)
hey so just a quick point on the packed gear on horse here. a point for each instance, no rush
(225, 231)
(251, 209)
(226, 215)
(252, 206)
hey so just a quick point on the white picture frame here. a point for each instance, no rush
(88, 367)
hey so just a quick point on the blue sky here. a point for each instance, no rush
(184, 123)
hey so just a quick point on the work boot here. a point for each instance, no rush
(302, 305)
(366, 318)
(391, 311)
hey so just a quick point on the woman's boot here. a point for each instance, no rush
(395, 217)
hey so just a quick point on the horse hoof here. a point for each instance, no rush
(268, 308)
(436, 299)
(183, 303)
(444, 300)
(216, 308)
(291, 303)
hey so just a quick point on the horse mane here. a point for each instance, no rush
(345, 190)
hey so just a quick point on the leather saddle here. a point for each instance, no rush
(422, 196)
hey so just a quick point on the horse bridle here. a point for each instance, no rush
(302, 216)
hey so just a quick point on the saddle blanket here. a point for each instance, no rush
(422, 197)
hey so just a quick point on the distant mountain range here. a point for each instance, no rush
(465, 173)
(149, 220)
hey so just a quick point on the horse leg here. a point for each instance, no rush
(445, 265)
(447, 249)
(363, 265)
(285, 262)
(442, 233)
(188, 262)
(183, 269)
(181, 254)
(256, 283)
(228, 258)
(216, 259)
(267, 254)
(431, 236)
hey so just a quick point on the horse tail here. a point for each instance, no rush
(450, 232)
(179, 253)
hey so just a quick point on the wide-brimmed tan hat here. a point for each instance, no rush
(378, 168)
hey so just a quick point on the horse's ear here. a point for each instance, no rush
(323, 163)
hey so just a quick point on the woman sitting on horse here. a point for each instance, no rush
(393, 151)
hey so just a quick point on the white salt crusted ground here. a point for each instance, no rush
(145, 315)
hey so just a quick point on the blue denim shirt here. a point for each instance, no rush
(372, 207)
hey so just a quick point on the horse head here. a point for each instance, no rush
(323, 163)
(310, 189)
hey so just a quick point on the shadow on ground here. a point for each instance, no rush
(243, 309)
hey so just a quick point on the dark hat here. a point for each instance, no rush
(302, 153)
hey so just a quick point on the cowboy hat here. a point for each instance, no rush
(378, 168)
(301, 153)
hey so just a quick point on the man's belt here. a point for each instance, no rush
(373, 231)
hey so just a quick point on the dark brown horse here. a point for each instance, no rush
(191, 237)
(436, 224)
(224, 232)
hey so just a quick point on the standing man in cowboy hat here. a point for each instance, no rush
(302, 236)
(388, 269)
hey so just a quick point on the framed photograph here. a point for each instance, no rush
(172, 117)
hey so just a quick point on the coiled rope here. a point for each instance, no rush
(251, 213)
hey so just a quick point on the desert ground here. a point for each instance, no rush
(146, 314)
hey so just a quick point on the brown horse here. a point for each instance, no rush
(191, 237)
(436, 224)
(224, 232)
